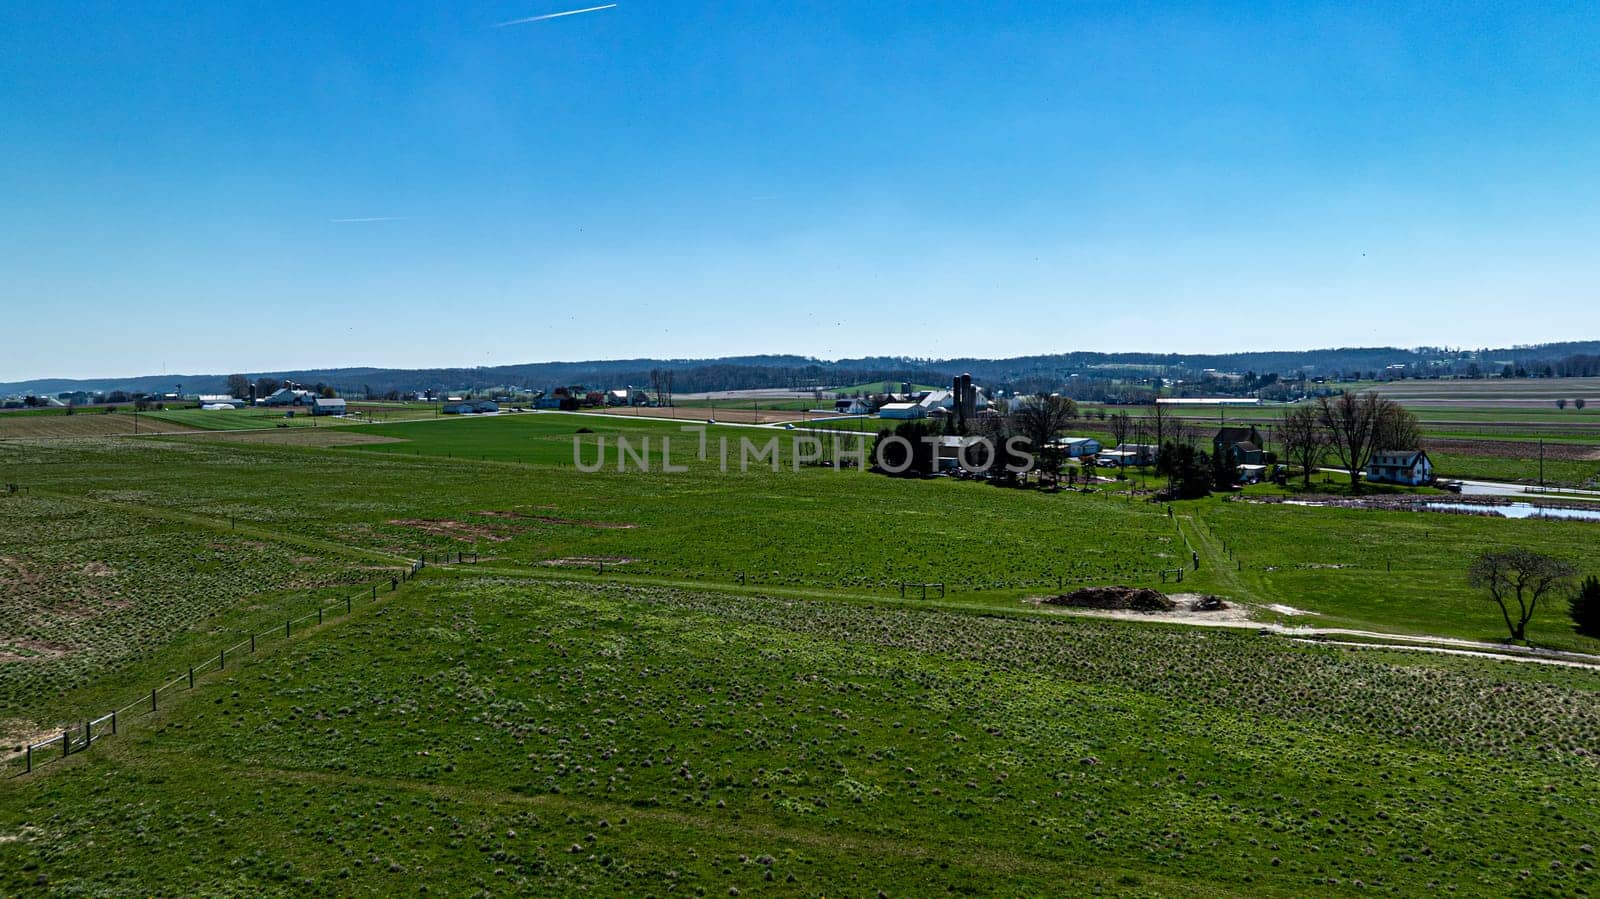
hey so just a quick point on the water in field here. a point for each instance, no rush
(1510, 510)
(1516, 510)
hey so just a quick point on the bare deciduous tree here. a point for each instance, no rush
(1141, 436)
(1040, 418)
(1304, 442)
(1519, 575)
(656, 386)
(1356, 425)
(1160, 424)
(1121, 425)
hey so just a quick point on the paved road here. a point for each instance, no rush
(1497, 488)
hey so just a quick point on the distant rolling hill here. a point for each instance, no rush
(742, 372)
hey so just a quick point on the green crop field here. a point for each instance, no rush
(706, 682)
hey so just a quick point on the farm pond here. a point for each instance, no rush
(1514, 510)
(1497, 510)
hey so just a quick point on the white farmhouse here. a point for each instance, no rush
(1410, 467)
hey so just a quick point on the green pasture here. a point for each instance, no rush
(505, 735)
(702, 678)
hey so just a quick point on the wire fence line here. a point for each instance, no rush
(77, 738)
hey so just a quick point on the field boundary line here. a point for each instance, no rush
(71, 743)
(231, 526)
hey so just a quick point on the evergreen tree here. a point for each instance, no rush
(1585, 607)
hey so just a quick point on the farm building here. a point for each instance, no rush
(219, 400)
(851, 406)
(1241, 444)
(471, 407)
(1410, 467)
(964, 399)
(629, 396)
(286, 396)
(1253, 474)
(1077, 447)
(950, 453)
(902, 410)
(327, 406)
(1128, 454)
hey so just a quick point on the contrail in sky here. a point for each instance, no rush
(555, 15)
(371, 218)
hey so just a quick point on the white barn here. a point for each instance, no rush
(902, 410)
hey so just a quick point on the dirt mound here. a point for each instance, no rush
(1137, 599)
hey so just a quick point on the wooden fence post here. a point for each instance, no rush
(191, 677)
(152, 699)
(319, 616)
(66, 743)
(30, 759)
(252, 642)
(113, 724)
(222, 660)
(347, 605)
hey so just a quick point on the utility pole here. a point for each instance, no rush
(1541, 463)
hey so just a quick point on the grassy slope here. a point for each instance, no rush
(523, 736)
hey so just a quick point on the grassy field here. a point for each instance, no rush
(98, 588)
(262, 417)
(506, 487)
(56, 423)
(1384, 570)
(742, 691)
(504, 735)
(1518, 393)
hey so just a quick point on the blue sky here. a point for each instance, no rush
(696, 179)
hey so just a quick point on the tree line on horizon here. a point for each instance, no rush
(1081, 374)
